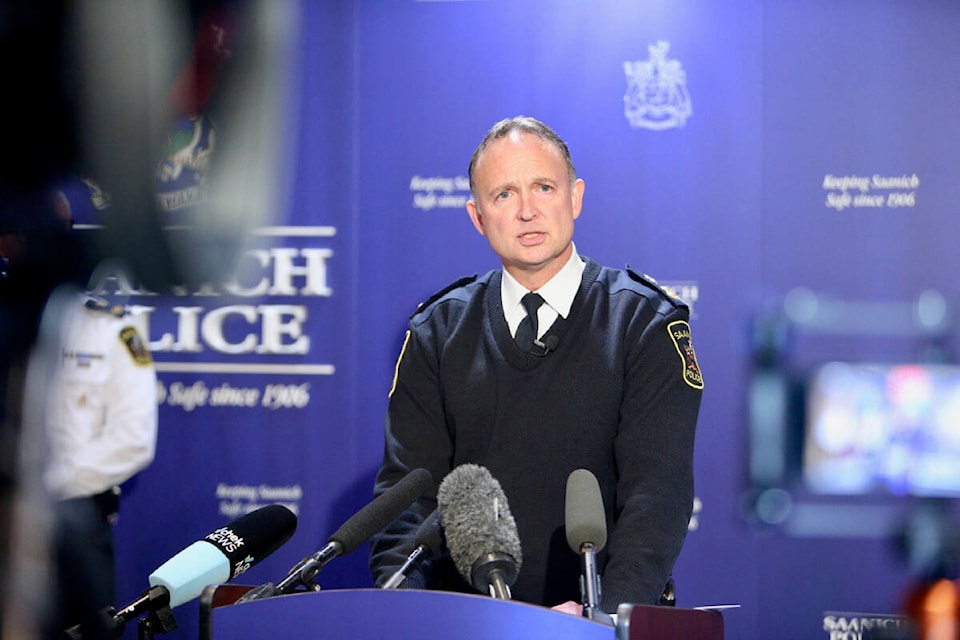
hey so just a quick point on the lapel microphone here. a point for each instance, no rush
(545, 346)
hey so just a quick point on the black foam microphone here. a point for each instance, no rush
(429, 541)
(586, 527)
(358, 529)
(225, 553)
(214, 559)
(480, 531)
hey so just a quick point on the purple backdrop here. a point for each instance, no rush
(714, 139)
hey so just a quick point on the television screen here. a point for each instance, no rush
(882, 428)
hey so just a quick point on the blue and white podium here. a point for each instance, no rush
(402, 614)
(407, 614)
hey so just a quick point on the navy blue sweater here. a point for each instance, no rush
(618, 395)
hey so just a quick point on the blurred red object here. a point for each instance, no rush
(935, 610)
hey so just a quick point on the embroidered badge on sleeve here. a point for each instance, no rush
(680, 334)
(135, 345)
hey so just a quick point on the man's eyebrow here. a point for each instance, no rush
(512, 184)
(501, 188)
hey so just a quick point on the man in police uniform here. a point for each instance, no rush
(101, 418)
(548, 364)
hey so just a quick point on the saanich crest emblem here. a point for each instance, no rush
(656, 96)
(182, 173)
(679, 331)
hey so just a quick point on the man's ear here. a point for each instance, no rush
(475, 216)
(576, 195)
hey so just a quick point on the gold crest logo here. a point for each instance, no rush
(680, 334)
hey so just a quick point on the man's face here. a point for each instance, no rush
(525, 205)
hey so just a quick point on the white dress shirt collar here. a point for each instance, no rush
(558, 294)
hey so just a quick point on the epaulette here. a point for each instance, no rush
(99, 304)
(649, 281)
(447, 289)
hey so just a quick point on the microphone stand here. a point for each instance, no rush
(409, 564)
(155, 601)
(160, 619)
(590, 585)
(303, 574)
(496, 571)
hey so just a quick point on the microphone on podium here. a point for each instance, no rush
(356, 530)
(429, 541)
(225, 553)
(586, 528)
(216, 558)
(480, 531)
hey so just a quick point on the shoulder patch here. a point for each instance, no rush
(649, 281)
(447, 289)
(136, 346)
(679, 332)
(99, 304)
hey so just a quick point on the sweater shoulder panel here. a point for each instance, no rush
(644, 285)
(454, 295)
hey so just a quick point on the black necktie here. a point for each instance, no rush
(527, 331)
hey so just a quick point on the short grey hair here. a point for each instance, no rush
(525, 124)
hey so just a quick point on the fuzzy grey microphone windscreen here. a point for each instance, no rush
(476, 518)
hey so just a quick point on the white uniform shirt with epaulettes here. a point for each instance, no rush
(102, 407)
